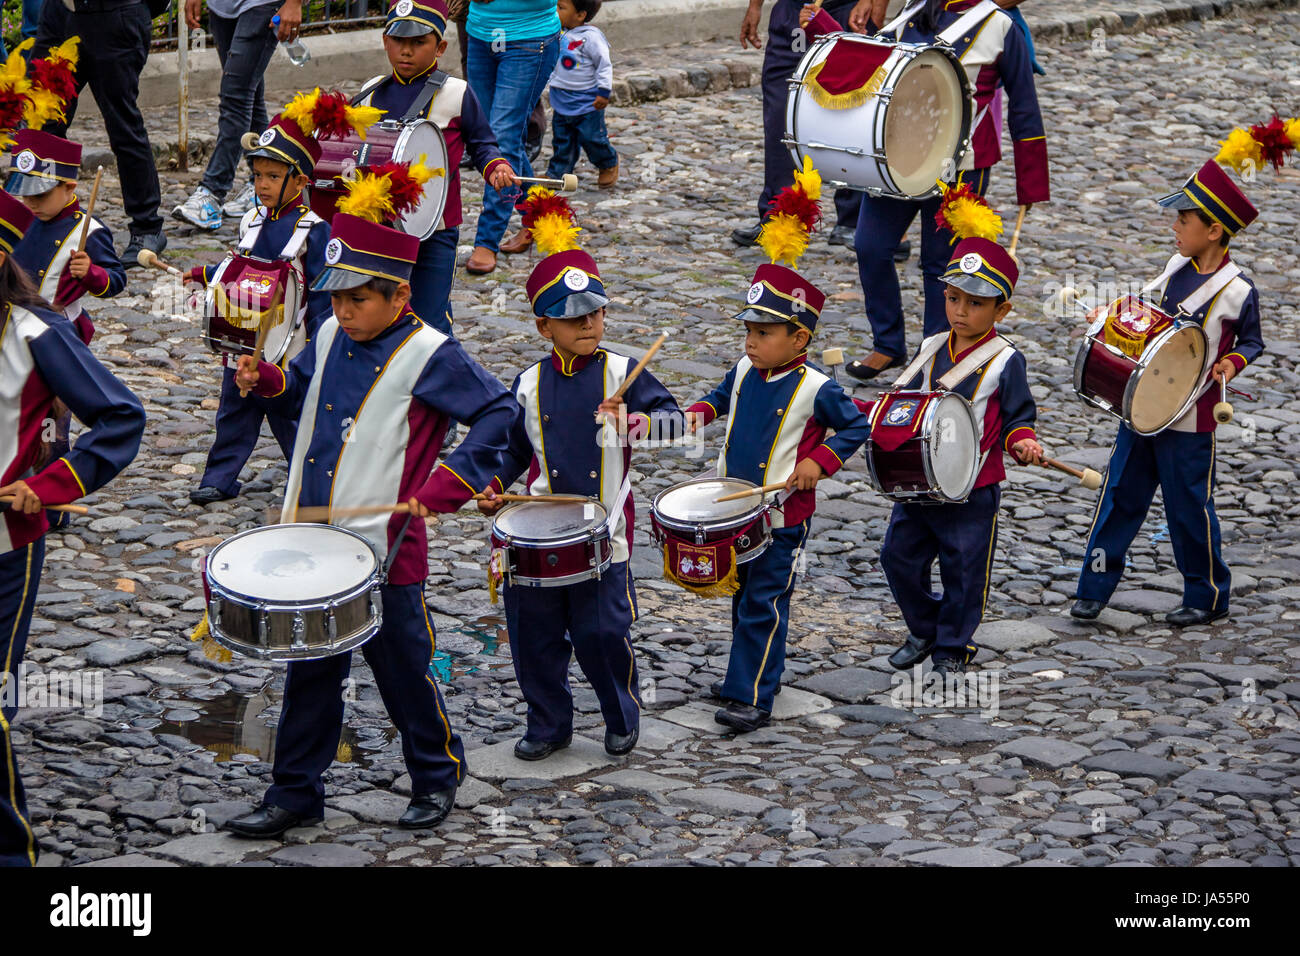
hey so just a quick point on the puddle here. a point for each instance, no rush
(478, 640)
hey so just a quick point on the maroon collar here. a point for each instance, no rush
(574, 365)
(292, 204)
(771, 373)
(69, 211)
(964, 352)
(1227, 256)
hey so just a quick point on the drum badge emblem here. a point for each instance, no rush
(404, 8)
(25, 161)
(333, 251)
(970, 263)
(755, 293)
(900, 413)
(687, 565)
(267, 138)
(576, 280)
(256, 283)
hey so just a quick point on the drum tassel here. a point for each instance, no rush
(726, 587)
(211, 649)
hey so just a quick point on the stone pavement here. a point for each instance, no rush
(1122, 743)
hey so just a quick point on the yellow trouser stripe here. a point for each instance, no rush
(11, 765)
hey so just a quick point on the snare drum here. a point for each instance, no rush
(238, 299)
(704, 540)
(923, 445)
(880, 116)
(385, 142)
(1141, 365)
(550, 544)
(293, 592)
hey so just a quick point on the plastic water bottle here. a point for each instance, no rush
(294, 49)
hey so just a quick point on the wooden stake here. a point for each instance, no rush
(1015, 237)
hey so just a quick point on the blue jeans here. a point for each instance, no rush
(508, 78)
(569, 133)
(431, 278)
(244, 47)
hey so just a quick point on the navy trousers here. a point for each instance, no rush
(786, 46)
(1182, 464)
(882, 223)
(760, 617)
(239, 422)
(588, 620)
(587, 132)
(312, 716)
(962, 537)
(20, 576)
(431, 278)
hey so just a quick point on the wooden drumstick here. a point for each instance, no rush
(1087, 477)
(1015, 236)
(264, 331)
(636, 370)
(566, 184)
(1223, 408)
(149, 259)
(749, 493)
(325, 513)
(90, 210)
(70, 509)
(556, 499)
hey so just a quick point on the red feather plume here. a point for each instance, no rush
(536, 207)
(11, 109)
(1274, 144)
(330, 115)
(55, 77)
(404, 191)
(795, 202)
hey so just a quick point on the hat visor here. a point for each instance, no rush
(273, 155)
(408, 28)
(757, 315)
(1179, 200)
(335, 279)
(973, 285)
(22, 184)
(577, 305)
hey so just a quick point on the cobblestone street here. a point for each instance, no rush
(1122, 742)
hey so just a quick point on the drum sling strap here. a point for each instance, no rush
(432, 84)
(1207, 291)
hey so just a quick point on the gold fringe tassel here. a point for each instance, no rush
(211, 649)
(842, 101)
(728, 586)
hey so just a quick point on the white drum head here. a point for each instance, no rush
(549, 521)
(423, 139)
(1169, 380)
(292, 563)
(694, 500)
(954, 447)
(279, 338)
(923, 123)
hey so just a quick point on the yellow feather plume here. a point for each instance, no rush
(13, 75)
(555, 234)
(1292, 127)
(1240, 151)
(784, 238)
(361, 118)
(6, 140)
(41, 107)
(65, 52)
(970, 219)
(299, 109)
(809, 179)
(368, 198)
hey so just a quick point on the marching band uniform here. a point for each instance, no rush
(39, 161)
(290, 231)
(450, 104)
(993, 52)
(961, 535)
(564, 451)
(776, 418)
(373, 418)
(44, 358)
(1181, 459)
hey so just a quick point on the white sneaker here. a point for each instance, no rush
(201, 210)
(245, 200)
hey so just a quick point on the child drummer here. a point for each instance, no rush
(565, 450)
(280, 226)
(417, 89)
(1202, 280)
(375, 391)
(778, 410)
(974, 361)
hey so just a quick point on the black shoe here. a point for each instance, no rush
(949, 666)
(865, 373)
(1192, 616)
(153, 241)
(428, 810)
(616, 745)
(742, 717)
(540, 749)
(904, 251)
(207, 494)
(746, 235)
(842, 236)
(267, 821)
(1086, 610)
(913, 651)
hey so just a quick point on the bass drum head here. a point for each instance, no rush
(549, 520)
(693, 501)
(924, 123)
(292, 563)
(953, 447)
(422, 141)
(279, 338)
(1169, 380)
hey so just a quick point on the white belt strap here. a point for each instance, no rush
(985, 353)
(927, 351)
(895, 26)
(620, 499)
(1175, 263)
(291, 248)
(1208, 290)
(967, 21)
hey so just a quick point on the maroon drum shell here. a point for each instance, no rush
(338, 155)
(1106, 374)
(553, 561)
(706, 536)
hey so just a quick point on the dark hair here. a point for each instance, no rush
(589, 9)
(17, 289)
(385, 287)
(1209, 220)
